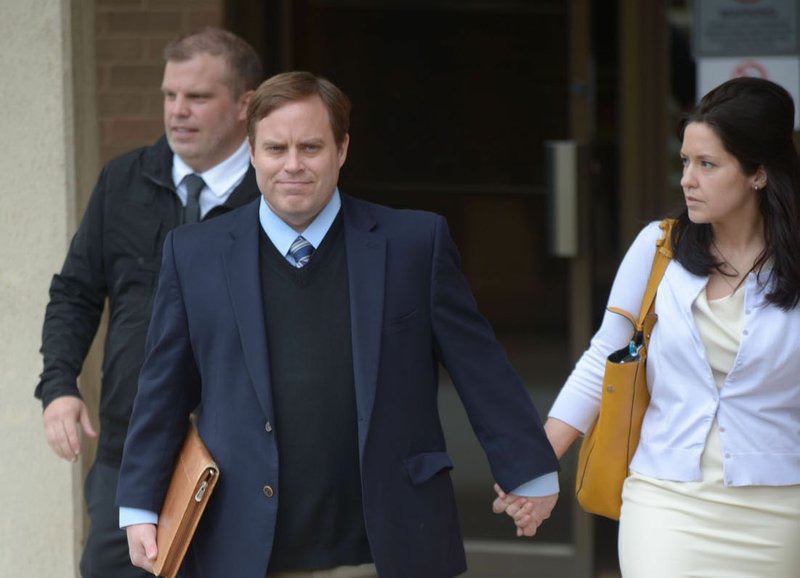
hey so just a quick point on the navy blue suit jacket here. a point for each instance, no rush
(411, 308)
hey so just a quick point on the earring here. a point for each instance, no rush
(755, 188)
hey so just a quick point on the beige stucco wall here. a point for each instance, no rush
(51, 151)
(39, 494)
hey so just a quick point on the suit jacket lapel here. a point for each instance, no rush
(366, 265)
(241, 262)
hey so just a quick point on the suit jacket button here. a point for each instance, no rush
(268, 491)
(268, 427)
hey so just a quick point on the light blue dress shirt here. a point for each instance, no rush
(282, 235)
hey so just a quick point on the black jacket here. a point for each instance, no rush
(115, 254)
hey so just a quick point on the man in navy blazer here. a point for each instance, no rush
(305, 331)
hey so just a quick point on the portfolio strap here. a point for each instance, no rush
(647, 317)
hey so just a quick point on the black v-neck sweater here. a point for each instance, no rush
(320, 520)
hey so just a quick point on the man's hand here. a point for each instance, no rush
(527, 513)
(63, 417)
(142, 545)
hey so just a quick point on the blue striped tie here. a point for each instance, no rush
(301, 251)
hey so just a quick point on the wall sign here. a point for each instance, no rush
(742, 27)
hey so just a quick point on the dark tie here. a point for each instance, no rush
(301, 251)
(194, 184)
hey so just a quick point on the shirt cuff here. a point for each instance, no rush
(545, 485)
(131, 516)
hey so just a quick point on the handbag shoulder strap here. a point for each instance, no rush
(660, 261)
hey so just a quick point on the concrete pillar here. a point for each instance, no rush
(41, 525)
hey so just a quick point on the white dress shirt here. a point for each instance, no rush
(220, 180)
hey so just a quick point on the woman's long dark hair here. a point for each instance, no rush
(754, 120)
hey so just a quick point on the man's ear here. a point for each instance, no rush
(342, 153)
(244, 101)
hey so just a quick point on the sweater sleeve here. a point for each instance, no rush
(579, 400)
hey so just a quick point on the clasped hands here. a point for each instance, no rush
(527, 513)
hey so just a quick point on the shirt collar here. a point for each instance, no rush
(219, 179)
(282, 235)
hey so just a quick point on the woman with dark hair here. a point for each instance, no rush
(714, 485)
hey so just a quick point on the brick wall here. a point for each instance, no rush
(130, 36)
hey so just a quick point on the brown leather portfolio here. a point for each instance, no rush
(190, 488)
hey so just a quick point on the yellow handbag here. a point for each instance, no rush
(609, 445)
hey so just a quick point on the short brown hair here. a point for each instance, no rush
(293, 86)
(244, 69)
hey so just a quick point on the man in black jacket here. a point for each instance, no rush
(200, 168)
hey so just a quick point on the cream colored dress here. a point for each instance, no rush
(704, 529)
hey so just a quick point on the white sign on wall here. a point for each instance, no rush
(783, 70)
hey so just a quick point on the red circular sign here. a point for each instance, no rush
(749, 68)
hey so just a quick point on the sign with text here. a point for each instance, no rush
(743, 27)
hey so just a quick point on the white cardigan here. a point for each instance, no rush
(757, 408)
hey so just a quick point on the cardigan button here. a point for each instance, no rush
(268, 427)
(268, 491)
